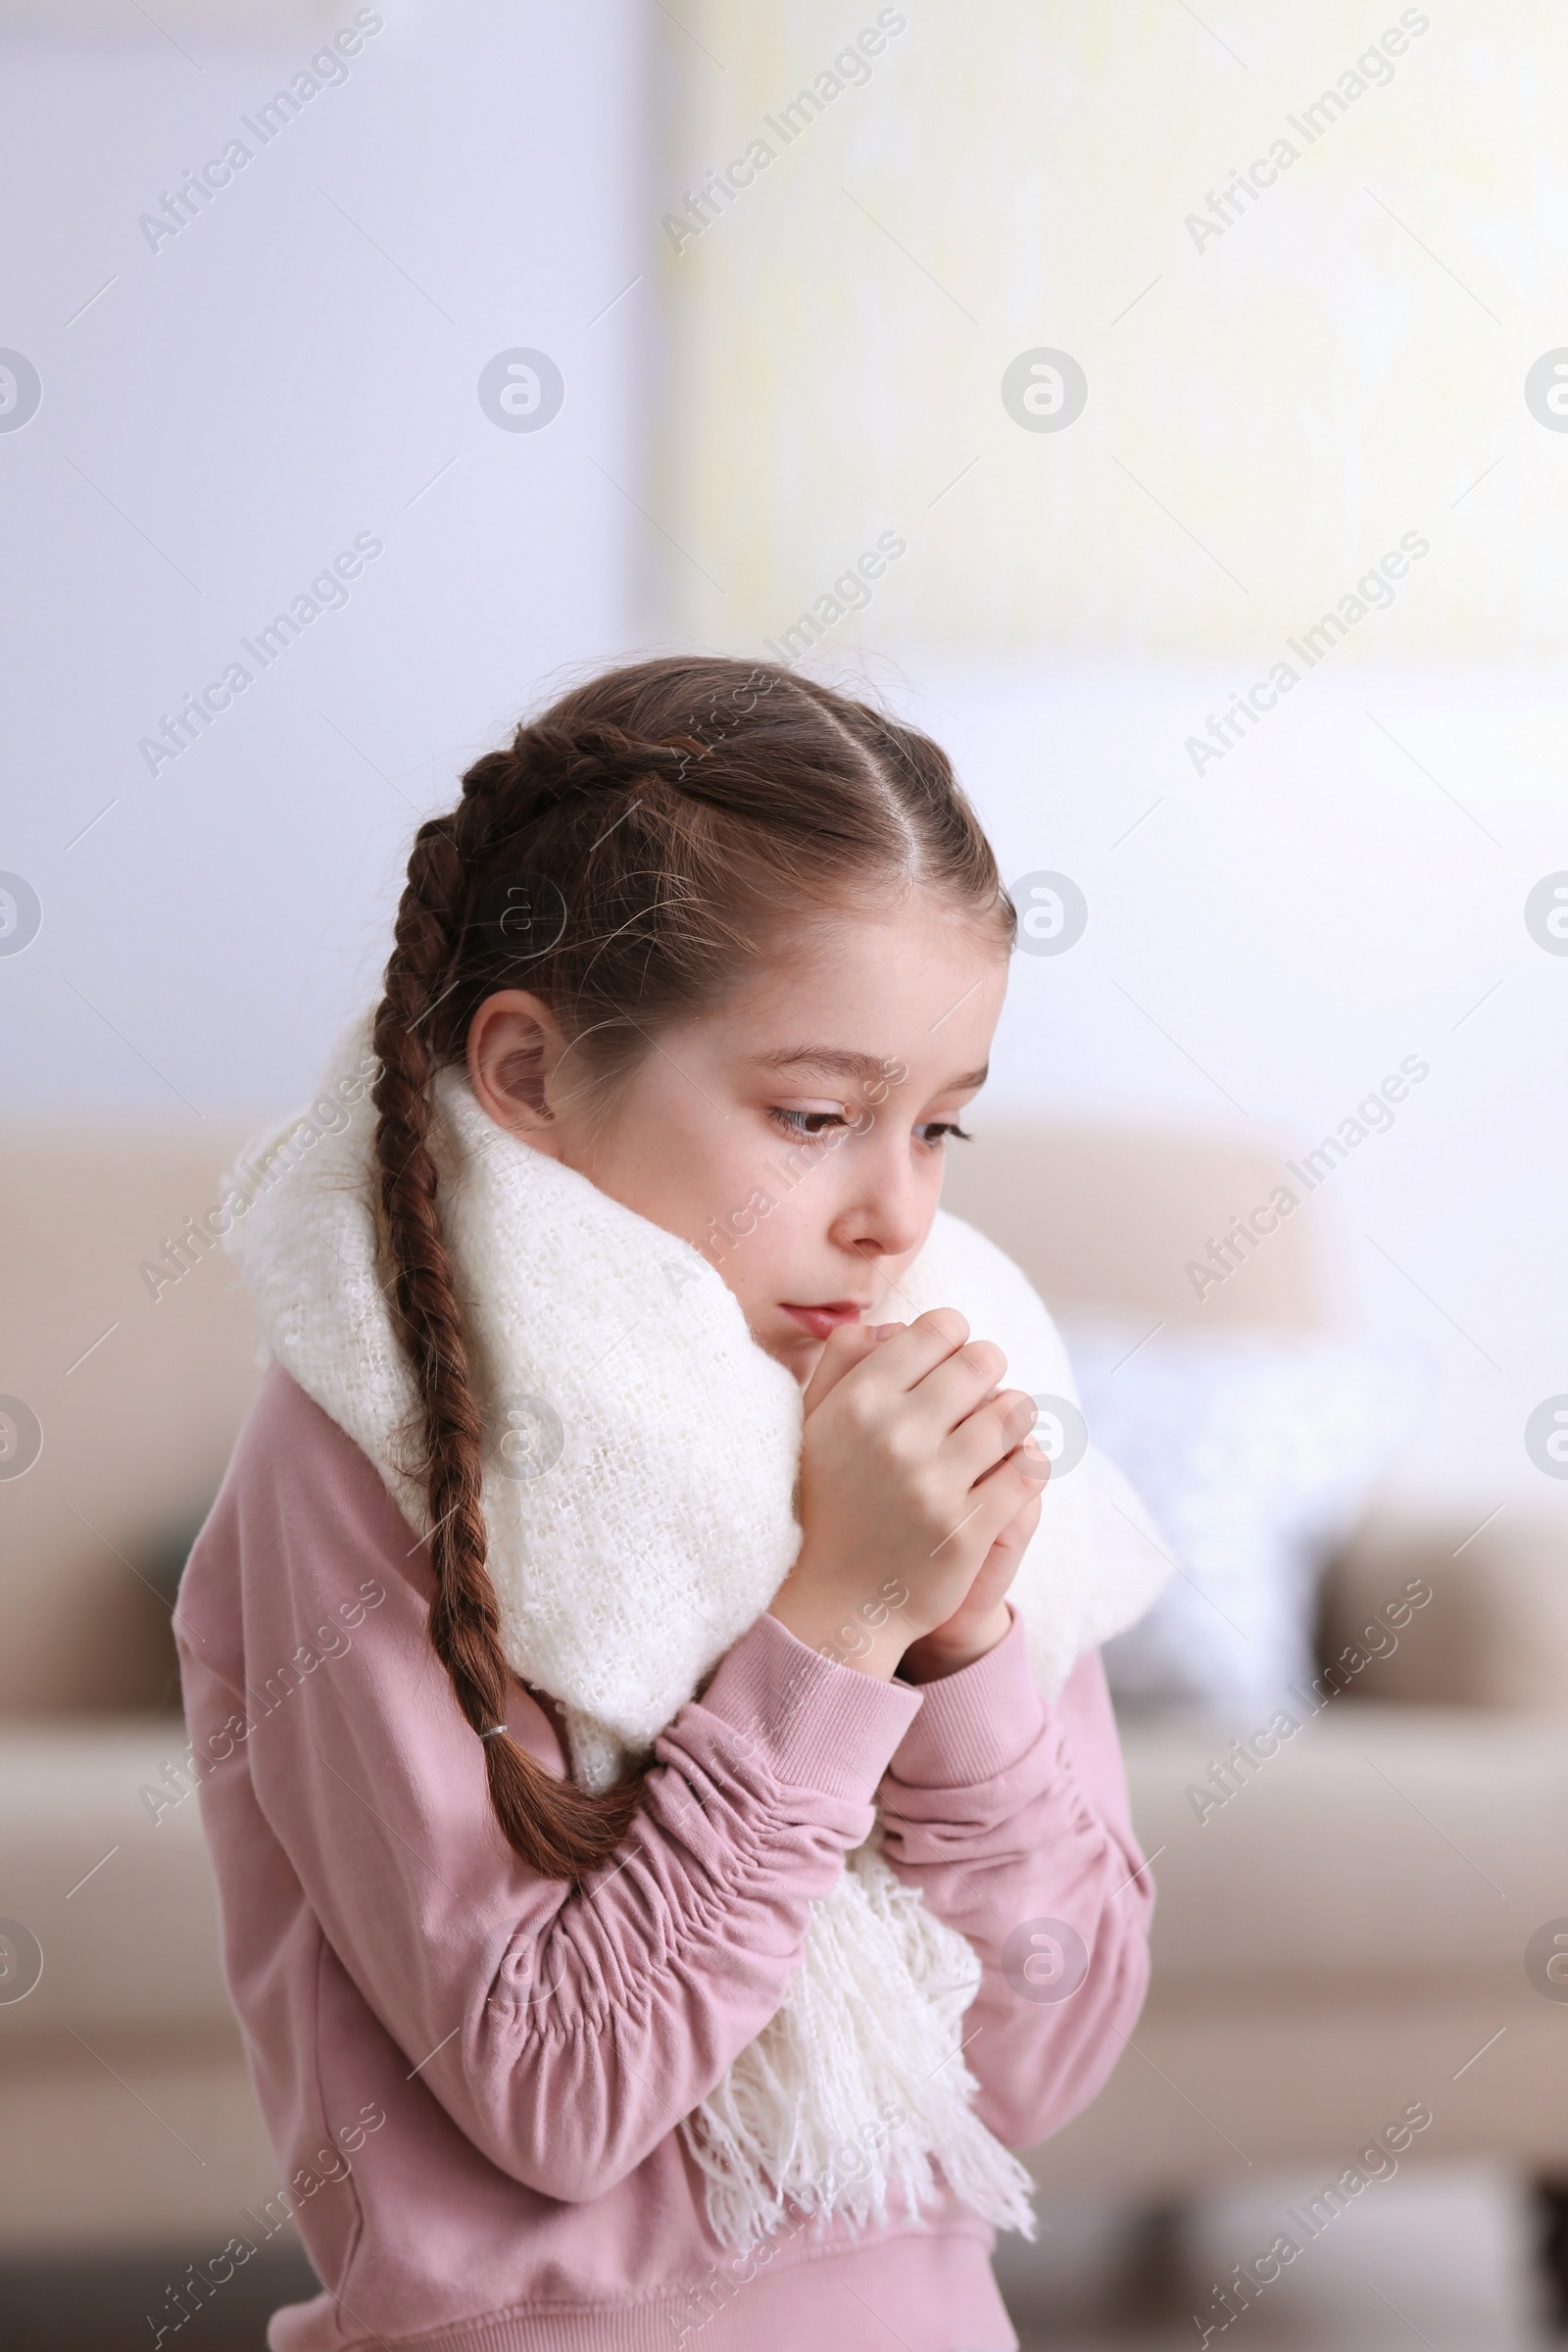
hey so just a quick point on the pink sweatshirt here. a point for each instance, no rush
(473, 2077)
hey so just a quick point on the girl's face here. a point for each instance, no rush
(795, 1135)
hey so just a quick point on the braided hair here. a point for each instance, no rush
(626, 857)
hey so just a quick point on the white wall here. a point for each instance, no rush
(1272, 940)
(1271, 401)
(242, 402)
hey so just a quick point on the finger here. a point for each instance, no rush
(1034, 1462)
(845, 1348)
(988, 1507)
(1027, 1469)
(997, 1425)
(1001, 1564)
(1006, 1556)
(900, 1363)
(1030, 1459)
(950, 1393)
(1016, 1536)
(996, 1500)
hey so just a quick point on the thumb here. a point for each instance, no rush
(848, 1347)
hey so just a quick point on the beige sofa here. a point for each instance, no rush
(1347, 1933)
(1345, 1936)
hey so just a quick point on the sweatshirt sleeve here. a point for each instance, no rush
(564, 2030)
(1011, 1815)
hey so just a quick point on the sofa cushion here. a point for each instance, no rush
(1257, 1452)
(120, 1904)
(139, 1375)
(1394, 1847)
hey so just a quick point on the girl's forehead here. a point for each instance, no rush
(921, 942)
(851, 1005)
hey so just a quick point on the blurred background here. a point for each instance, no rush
(1169, 410)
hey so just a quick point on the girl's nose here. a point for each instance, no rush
(885, 1212)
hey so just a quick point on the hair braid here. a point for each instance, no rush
(551, 761)
(557, 1828)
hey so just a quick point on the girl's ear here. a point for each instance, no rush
(514, 1044)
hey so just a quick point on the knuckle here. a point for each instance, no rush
(901, 1435)
(858, 1409)
(928, 1504)
(947, 1323)
(905, 1446)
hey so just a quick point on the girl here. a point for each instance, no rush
(657, 1892)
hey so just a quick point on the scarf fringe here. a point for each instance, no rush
(858, 2080)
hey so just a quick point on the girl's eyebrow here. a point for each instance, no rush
(844, 1062)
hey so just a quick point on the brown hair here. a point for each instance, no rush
(625, 857)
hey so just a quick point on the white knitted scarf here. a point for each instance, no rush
(638, 1489)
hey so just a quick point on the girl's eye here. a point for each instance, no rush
(807, 1122)
(933, 1133)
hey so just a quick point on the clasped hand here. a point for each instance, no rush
(920, 1487)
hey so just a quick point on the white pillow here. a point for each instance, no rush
(1257, 1454)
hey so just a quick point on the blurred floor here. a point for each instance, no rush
(82, 2306)
(1444, 2258)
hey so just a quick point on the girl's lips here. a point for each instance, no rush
(822, 1321)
